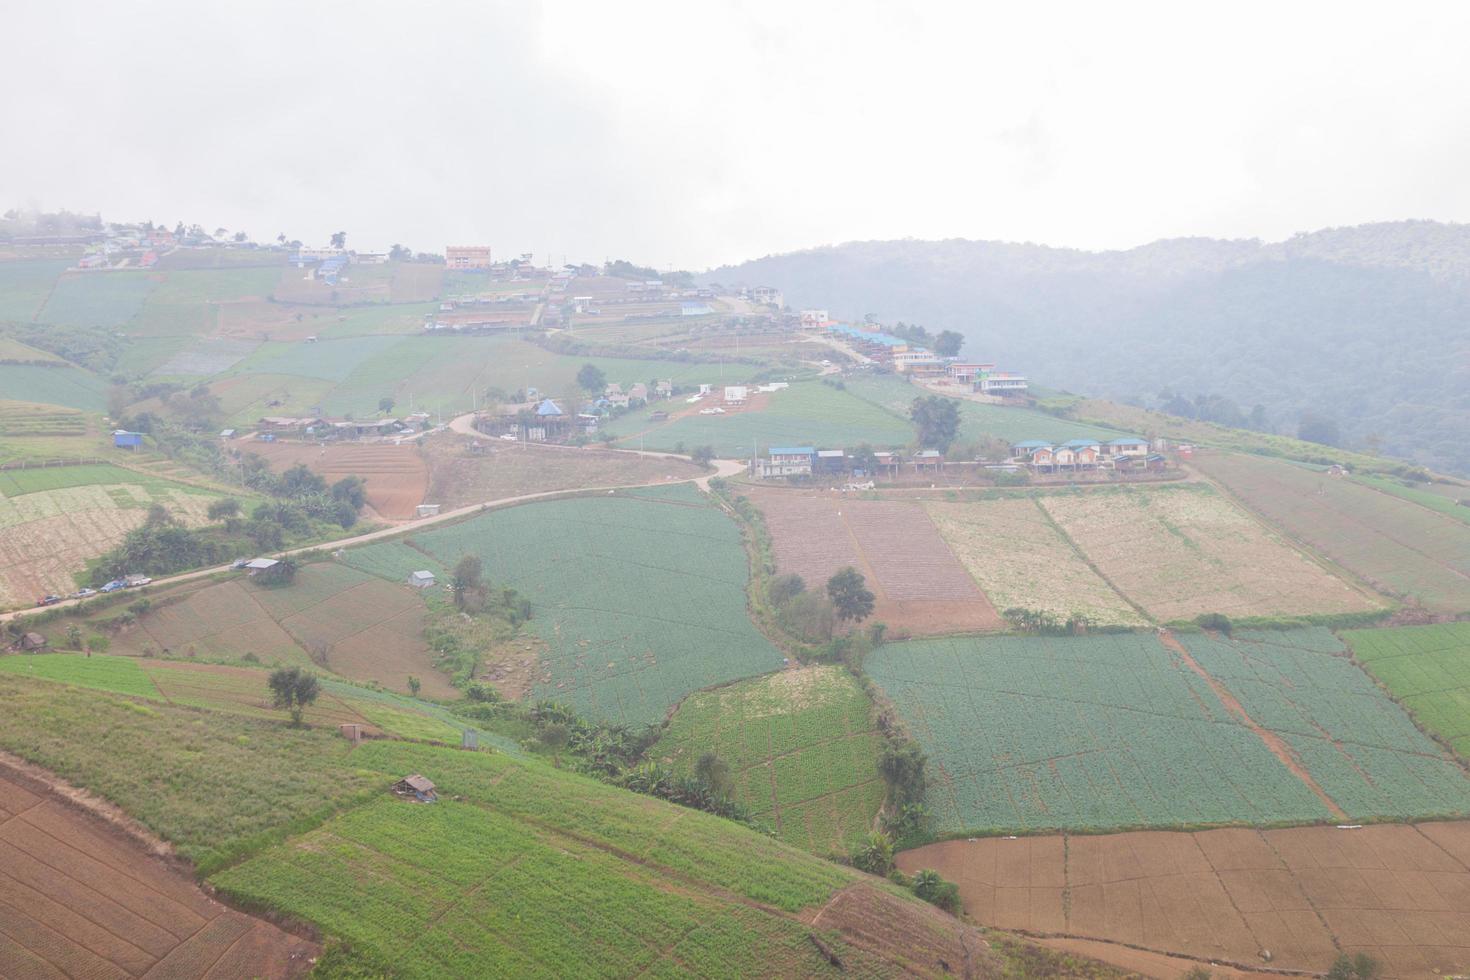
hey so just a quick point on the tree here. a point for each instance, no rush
(850, 596)
(339, 239)
(97, 643)
(903, 767)
(715, 772)
(294, 689)
(591, 379)
(158, 516)
(554, 737)
(784, 588)
(223, 509)
(299, 480)
(385, 404)
(933, 889)
(414, 685)
(74, 636)
(938, 420)
(702, 455)
(864, 459)
(351, 490)
(948, 343)
(1359, 967)
(874, 855)
(468, 573)
(400, 254)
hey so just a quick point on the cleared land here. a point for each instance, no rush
(801, 745)
(80, 897)
(396, 477)
(1133, 731)
(639, 599)
(53, 520)
(460, 475)
(921, 587)
(806, 414)
(1182, 551)
(1015, 552)
(530, 872)
(978, 420)
(1428, 669)
(1398, 546)
(1398, 893)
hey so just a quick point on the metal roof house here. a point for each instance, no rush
(549, 409)
(787, 461)
(421, 579)
(123, 439)
(261, 564)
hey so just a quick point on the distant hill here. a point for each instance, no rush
(1366, 326)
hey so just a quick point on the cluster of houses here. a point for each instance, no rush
(906, 357)
(1126, 452)
(1034, 455)
(317, 427)
(783, 462)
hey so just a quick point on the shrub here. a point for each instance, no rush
(1219, 622)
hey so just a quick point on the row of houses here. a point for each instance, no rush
(1125, 452)
(799, 461)
(319, 427)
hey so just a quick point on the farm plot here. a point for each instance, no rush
(70, 387)
(328, 360)
(97, 299)
(801, 746)
(806, 414)
(79, 897)
(459, 475)
(52, 521)
(640, 601)
(396, 477)
(207, 358)
(978, 421)
(1015, 552)
(1428, 669)
(1398, 893)
(25, 284)
(31, 419)
(1096, 732)
(1397, 546)
(1182, 551)
(921, 587)
(1358, 745)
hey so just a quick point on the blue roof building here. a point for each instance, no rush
(549, 409)
(123, 439)
(1031, 444)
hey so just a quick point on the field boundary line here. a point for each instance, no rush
(1082, 557)
(1273, 742)
(1296, 881)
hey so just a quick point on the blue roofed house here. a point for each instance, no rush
(1127, 450)
(549, 409)
(1027, 448)
(123, 439)
(787, 461)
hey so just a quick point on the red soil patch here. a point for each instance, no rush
(1400, 893)
(397, 477)
(79, 897)
(921, 587)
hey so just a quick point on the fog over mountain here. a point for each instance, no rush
(1367, 326)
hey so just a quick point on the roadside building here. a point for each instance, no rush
(787, 461)
(928, 460)
(829, 462)
(736, 394)
(467, 257)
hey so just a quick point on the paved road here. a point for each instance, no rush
(723, 468)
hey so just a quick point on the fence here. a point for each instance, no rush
(26, 464)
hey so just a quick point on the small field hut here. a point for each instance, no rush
(416, 787)
(421, 579)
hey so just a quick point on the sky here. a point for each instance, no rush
(691, 134)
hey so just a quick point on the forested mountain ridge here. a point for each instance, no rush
(1368, 326)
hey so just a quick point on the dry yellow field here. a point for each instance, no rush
(1182, 551)
(1020, 559)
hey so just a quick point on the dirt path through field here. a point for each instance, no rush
(1270, 739)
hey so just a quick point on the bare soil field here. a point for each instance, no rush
(1182, 551)
(1397, 546)
(921, 587)
(1019, 558)
(461, 475)
(397, 477)
(81, 898)
(1399, 892)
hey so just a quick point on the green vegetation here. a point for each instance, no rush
(589, 567)
(97, 299)
(1137, 738)
(1427, 668)
(25, 284)
(16, 483)
(120, 675)
(70, 387)
(1448, 504)
(802, 749)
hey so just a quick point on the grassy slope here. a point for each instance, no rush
(978, 420)
(1428, 669)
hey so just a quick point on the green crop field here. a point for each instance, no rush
(1361, 748)
(1397, 546)
(1438, 497)
(979, 420)
(529, 872)
(70, 387)
(394, 561)
(15, 483)
(806, 414)
(801, 745)
(592, 568)
(29, 419)
(1026, 733)
(25, 284)
(97, 299)
(329, 360)
(1428, 669)
(121, 675)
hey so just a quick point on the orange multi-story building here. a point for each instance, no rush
(467, 256)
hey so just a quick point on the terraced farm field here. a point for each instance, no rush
(921, 587)
(80, 897)
(1140, 735)
(1428, 669)
(589, 566)
(801, 745)
(1012, 548)
(806, 414)
(53, 520)
(396, 477)
(33, 419)
(1396, 545)
(1400, 893)
(1181, 551)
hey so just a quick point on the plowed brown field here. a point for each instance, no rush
(921, 587)
(397, 477)
(80, 898)
(1400, 893)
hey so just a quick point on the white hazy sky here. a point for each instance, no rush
(690, 133)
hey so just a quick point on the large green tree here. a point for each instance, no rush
(293, 690)
(591, 379)
(850, 596)
(938, 420)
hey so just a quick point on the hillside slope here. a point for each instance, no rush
(1365, 325)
